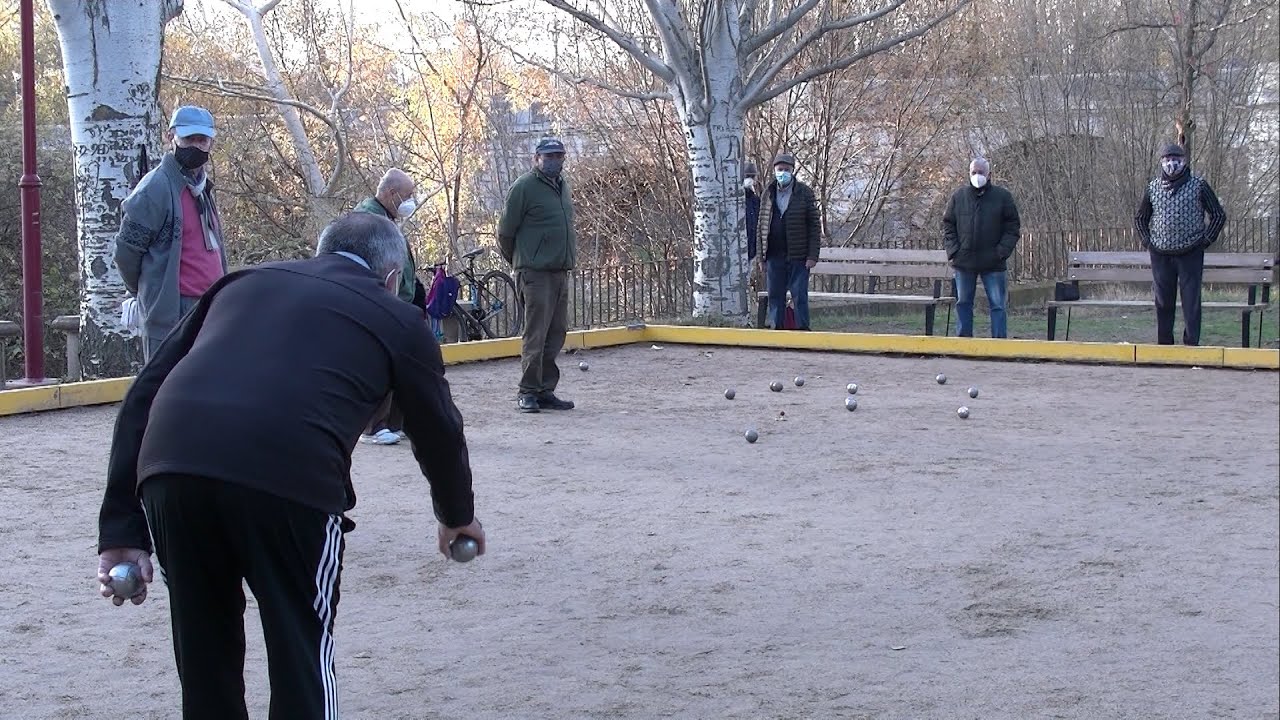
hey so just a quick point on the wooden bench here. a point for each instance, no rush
(1251, 270)
(877, 265)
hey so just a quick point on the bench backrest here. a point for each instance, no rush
(884, 263)
(1230, 268)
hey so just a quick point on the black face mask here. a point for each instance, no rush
(190, 157)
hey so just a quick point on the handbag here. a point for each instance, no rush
(1066, 291)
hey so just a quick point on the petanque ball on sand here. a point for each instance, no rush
(126, 580)
(942, 379)
(776, 386)
(583, 366)
(752, 436)
(463, 548)
(850, 404)
(963, 412)
(799, 381)
(728, 394)
(852, 388)
(973, 392)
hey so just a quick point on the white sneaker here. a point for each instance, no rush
(382, 437)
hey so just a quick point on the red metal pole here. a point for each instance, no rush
(32, 286)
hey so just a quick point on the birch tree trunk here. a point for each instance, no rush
(111, 52)
(718, 59)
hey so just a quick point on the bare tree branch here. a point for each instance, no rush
(620, 38)
(779, 26)
(583, 80)
(1132, 27)
(759, 96)
(267, 7)
(767, 75)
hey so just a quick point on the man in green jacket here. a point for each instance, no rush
(980, 229)
(394, 201)
(536, 236)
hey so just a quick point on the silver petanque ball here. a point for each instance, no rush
(942, 379)
(852, 388)
(583, 366)
(963, 412)
(729, 394)
(799, 381)
(126, 580)
(463, 548)
(752, 436)
(850, 404)
(973, 392)
(776, 386)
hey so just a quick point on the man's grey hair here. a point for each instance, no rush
(372, 238)
(980, 163)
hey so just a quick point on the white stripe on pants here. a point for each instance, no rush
(326, 578)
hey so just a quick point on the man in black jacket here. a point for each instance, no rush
(237, 437)
(790, 237)
(979, 231)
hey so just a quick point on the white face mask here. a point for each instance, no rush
(749, 183)
(406, 208)
(978, 180)
(1171, 166)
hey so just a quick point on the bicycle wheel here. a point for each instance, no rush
(501, 314)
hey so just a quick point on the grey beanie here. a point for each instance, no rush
(785, 158)
(1172, 150)
(749, 170)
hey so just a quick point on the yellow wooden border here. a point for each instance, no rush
(64, 395)
(1254, 358)
(1178, 355)
(98, 392)
(978, 348)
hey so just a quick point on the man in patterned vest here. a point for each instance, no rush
(1179, 217)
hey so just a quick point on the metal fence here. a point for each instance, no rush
(615, 294)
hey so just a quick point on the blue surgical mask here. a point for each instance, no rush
(783, 176)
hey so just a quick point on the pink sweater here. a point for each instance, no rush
(198, 268)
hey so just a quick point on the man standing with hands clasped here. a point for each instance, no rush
(536, 236)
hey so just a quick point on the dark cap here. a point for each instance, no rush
(785, 158)
(546, 146)
(749, 170)
(1172, 150)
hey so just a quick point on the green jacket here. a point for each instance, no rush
(536, 229)
(410, 272)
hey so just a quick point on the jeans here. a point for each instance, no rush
(1170, 275)
(996, 286)
(788, 275)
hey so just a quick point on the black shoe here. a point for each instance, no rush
(549, 401)
(528, 403)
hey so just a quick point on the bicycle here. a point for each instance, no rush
(494, 310)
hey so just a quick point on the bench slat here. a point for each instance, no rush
(9, 329)
(1149, 303)
(883, 255)
(875, 298)
(882, 270)
(1122, 274)
(1143, 259)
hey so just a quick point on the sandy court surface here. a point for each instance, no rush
(1094, 542)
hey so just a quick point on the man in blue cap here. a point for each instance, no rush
(536, 236)
(169, 249)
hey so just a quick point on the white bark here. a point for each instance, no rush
(111, 53)
(318, 187)
(716, 69)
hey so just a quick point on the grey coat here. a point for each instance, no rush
(148, 247)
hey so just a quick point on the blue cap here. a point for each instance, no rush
(546, 146)
(190, 120)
